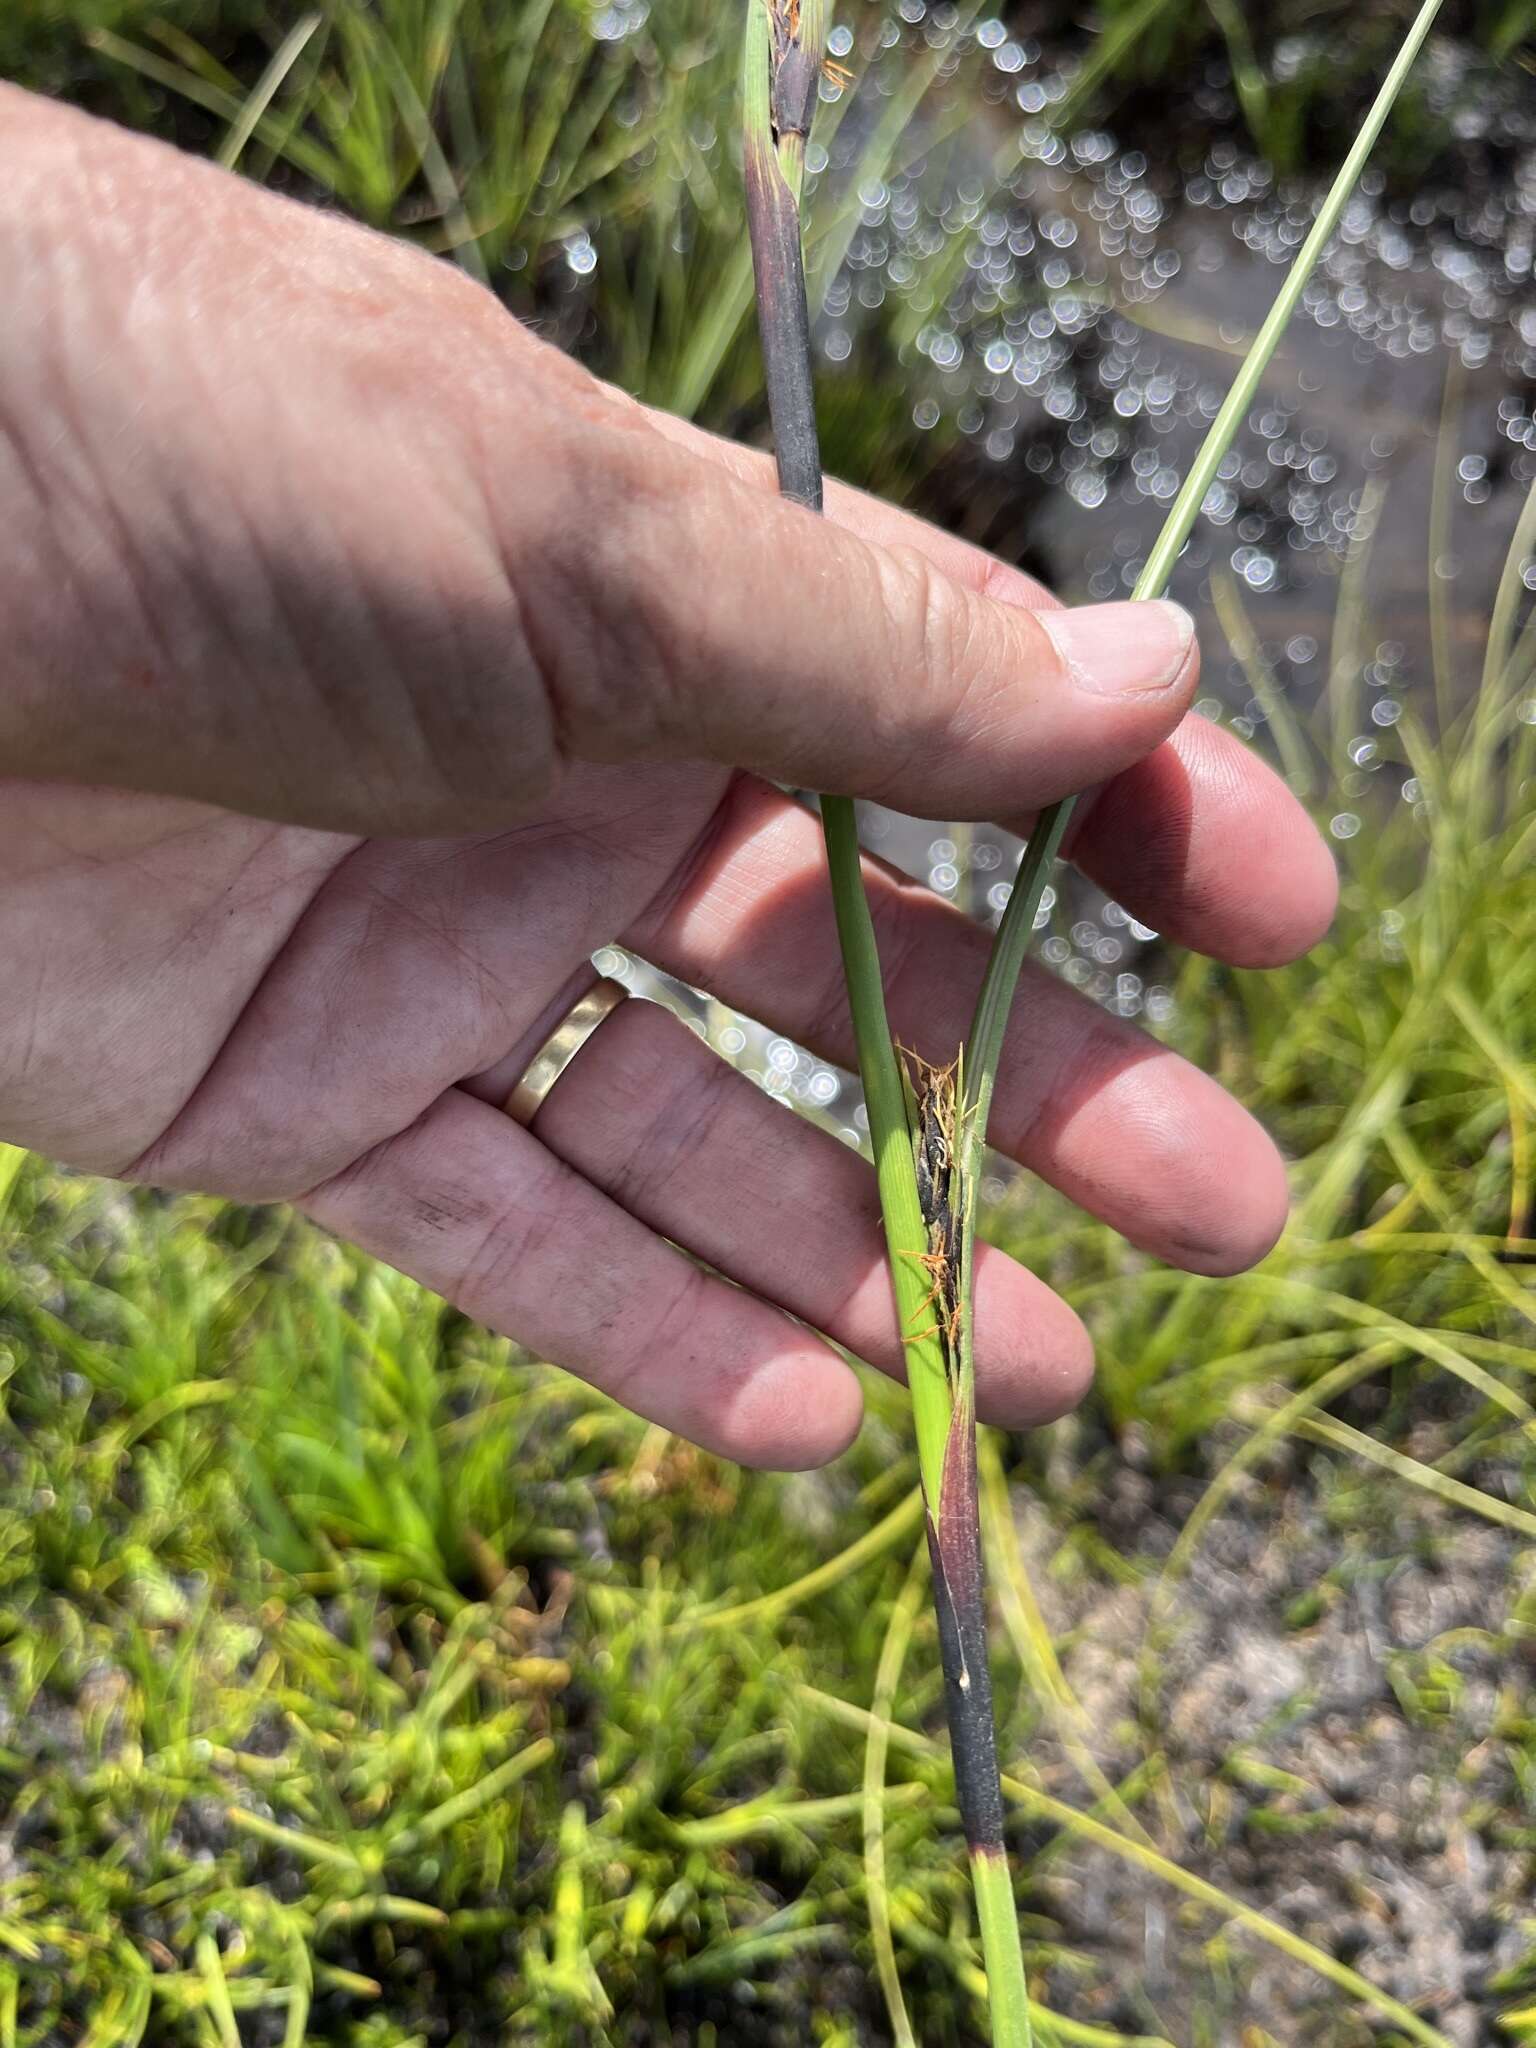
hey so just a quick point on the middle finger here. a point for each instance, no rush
(689, 1146)
(1120, 1124)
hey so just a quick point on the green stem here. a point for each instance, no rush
(783, 47)
(1018, 919)
(998, 1919)
(775, 120)
(906, 1234)
(782, 62)
(984, 1047)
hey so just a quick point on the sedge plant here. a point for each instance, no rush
(928, 1125)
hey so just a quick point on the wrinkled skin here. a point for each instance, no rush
(364, 665)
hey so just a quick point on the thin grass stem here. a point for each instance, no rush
(1012, 942)
(785, 40)
(1225, 1905)
(893, 1655)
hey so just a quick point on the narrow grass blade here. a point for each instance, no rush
(266, 90)
(874, 1543)
(1222, 1904)
(893, 1656)
(1018, 919)
(1453, 1492)
(1290, 741)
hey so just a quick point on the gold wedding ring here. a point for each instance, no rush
(560, 1048)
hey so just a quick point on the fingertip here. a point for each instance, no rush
(1034, 1358)
(1223, 1192)
(1088, 692)
(1204, 840)
(1274, 912)
(1259, 1208)
(1290, 922)
(1129, 652)
(800, 1410)
(1279, 885)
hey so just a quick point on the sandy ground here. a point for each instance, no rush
(1338, 1716)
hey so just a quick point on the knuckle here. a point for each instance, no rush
(510, 1240)
(927, 615)
(681, 1117)
(938, 646)
(596, 605)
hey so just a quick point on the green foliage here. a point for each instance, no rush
(365, 1682)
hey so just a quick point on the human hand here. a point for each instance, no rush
(409, 665)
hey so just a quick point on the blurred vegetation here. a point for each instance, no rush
(367, 1682)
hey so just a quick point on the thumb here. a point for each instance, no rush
(308, 527)
(699, 615)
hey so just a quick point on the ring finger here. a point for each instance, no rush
(686, 1144)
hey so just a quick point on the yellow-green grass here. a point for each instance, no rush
(367, 1683)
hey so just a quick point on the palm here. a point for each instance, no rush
(215, 1002)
